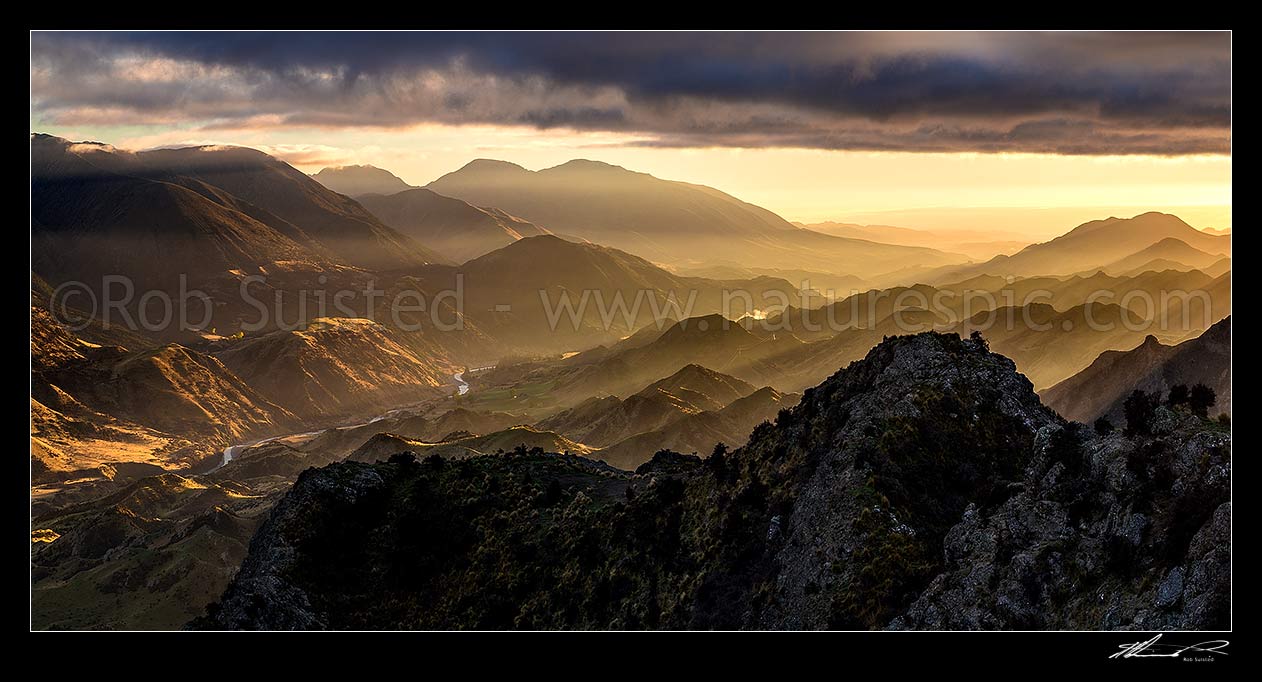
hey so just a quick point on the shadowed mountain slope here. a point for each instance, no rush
(545, 294)
(604, 421)
(354, 181)
(1094, 245)
(98, 410)
(453, 227)
(874, 503)
(666, 221)
(1168, 250)
(238, 206)
(1100, 390)
(337, 367)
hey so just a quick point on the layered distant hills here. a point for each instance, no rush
(1100, 390)
(1170, 252)
(548, 294)
(923, 487)
(598, 313)
(454, 227)
(337, 367)
(1098, 244)
(354, 181)
(975, 244)
(219, 214)
(195, 210)
(666, 221)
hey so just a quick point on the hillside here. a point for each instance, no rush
(455, 228)
(204, 220)
(666, 221)
(354, 181)
(1094, 245)
(1100, 390)
(245, 182)
(1050, 345)
(148, 556)
(700, 432)
(383, 445)
(337, 367)
(1169, 251)
(89, 220)
(711, 341)
(336, 222)
(600, 422)
(546, 294)
(876, 502)
(98, 411)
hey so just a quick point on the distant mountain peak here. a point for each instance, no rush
(588, 165)
(542, 244)
(666, 221)
(484, 165)
(222, 151)
(1102, 388)
(1100, 244)
(705, 324)
(1143, 220)
(357, 180)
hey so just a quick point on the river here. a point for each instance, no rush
(230, 453)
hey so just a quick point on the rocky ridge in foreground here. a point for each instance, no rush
(924, 486)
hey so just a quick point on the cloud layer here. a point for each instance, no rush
(1095, 93)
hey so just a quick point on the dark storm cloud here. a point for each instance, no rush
(1066, 93)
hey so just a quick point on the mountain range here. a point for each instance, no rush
(337, 367)
(923, 487)
(554, 459)
(234, 207)
(1102, 388)
(355, 181)
(975, 244)
(1167, 252)
(454, 227)
(666, 221)
(548, 294)
(1094, 245)
(101, 412)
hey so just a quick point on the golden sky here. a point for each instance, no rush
(1051, 193)
(1030, 133)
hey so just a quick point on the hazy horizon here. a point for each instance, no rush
(561, 359)
(765, 186)
(823, 127)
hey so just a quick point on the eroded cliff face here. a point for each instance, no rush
(924, 486)
(1106, 533)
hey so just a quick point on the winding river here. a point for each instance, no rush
(230, 453)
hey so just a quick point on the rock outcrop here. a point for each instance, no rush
(924, 486)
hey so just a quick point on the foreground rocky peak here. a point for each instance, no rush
(923, 486)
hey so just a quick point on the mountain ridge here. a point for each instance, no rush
(1092, 245)
(1100, 389)
(356, 180)
(663, 220)
(866, 506)
(454, 227)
